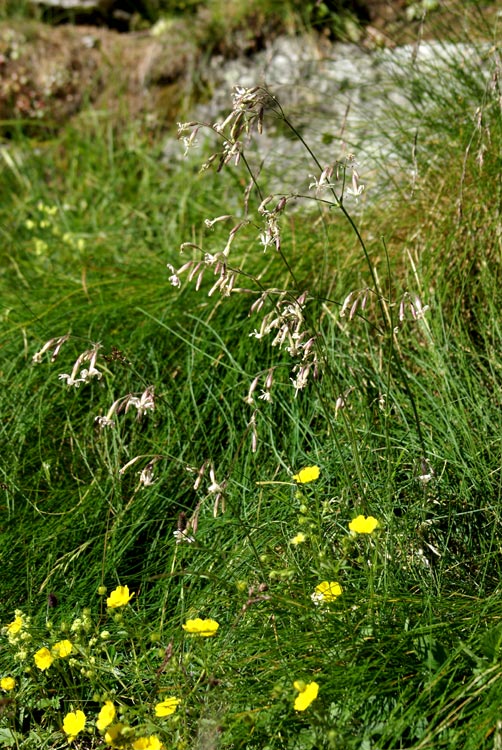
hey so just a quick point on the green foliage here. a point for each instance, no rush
(170, 456)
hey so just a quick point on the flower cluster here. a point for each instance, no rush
(81, 374)
(248, 107)
(84, 658)
(412, 306)
(334, 178)
(287, 322)
(115, 735)
(78, 374)
(44, 657)
(52, 345)
(329, 591)
(217, 263)
(17, 631)
(143, 403)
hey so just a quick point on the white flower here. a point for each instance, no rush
(182, 536)
(317, 598)
(69, 380)
(174, 279)
(324, 180)
(104, 422)
(92, 372)
(146, 402)
(214, 488)
(85, 374)
(55, 344)
(301, 379)
(265, 396)
(146, 476)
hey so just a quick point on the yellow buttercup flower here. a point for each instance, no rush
(298, 539)
(62, 649)
(205, 628)
(307, 694)
(73, 723)
(147, 743)
(327, 591)
(7, 683)
(119, 597)
(43, 658)
(106, 715)
(15, 626)
(167, 707)
(308, 474)
(113, 734)
(363, 525)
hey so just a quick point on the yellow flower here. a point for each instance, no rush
(299, 538)
(167, 707)
(15, 626)
(43, 658)
(363, 525)
(106, 716)
(205, 628)
(62, 649)
(307, 694)
(119, 597)
(7, 683)
(308, 474)
(113, 734)
(73, 723)
(327, 591)
(147, 743)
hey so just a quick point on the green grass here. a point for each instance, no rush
(408, 656)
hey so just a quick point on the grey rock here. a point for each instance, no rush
(84, 7)
(342, 99)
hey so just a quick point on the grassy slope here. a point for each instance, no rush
(403, 657)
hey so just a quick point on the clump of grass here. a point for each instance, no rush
(302, 468)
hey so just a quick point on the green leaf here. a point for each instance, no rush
(491, 643)
(8, 737)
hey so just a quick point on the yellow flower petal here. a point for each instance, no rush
(363, 525)
(119, 597)
(327, 591)
(113, 733)
(106, 716)
(7, 683)
(307, 694)
(205, 628)
(15, 626)
(147, 743)
(73, 723)
(43, 658)
(62, 649)
(308, 474)
(299, 538)
(167, 707)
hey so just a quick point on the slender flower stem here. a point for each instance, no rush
(376, 284)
